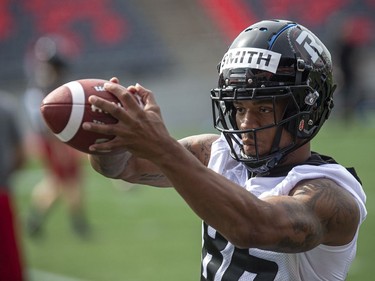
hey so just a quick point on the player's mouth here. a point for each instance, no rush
(248, 140)
(249, 150)
(248, 146)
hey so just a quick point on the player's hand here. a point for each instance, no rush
(140, 129)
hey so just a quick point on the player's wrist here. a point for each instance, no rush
(110, 165)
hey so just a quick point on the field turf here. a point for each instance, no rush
(141, 233)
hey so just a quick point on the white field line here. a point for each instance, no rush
(39, 275)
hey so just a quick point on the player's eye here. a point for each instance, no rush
(265, 109)
(240, 110)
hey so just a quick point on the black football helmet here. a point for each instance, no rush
(282, 62)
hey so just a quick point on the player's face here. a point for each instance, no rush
(260, 114)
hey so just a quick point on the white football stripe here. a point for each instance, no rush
(78, 109)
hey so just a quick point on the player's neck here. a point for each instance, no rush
(299, 155)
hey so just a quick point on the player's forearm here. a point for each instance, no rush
(242, 218)
(111, 166)
(222, 204)
(130, 169)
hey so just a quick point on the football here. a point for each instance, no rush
(67, 107)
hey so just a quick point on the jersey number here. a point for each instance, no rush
(238, 262)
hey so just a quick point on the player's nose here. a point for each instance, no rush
(248, 121)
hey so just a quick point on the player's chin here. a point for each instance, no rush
(252, 151)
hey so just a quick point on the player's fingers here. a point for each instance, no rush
(106, 129)
(128, 116)
(114, 109)
(114, 80)
(104, 105)
(111, 146)
(147, 98)
(126, 97)
(146, 95)
(123, 137)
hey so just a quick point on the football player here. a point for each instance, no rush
(272, 209)
(47, 67)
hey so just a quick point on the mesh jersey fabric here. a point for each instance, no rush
(221, 261)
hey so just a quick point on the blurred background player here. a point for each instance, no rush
(12, 158)
(46, 67)
(354, 38)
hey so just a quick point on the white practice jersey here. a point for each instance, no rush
(221, 261)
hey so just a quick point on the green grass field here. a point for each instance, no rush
(150, 234)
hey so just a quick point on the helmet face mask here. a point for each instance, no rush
(286, 66)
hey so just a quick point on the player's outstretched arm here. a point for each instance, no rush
(317, 212)
(133, 169)
(125, 165)
(130, 168)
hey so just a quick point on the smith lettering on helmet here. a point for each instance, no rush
(251, 58)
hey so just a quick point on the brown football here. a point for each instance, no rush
(67, 107)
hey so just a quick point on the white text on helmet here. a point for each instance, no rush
(251, 58)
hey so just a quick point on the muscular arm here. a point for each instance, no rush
(317, 211)
(334, 211)
(142, 171)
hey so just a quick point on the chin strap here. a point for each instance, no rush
(264, 169)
